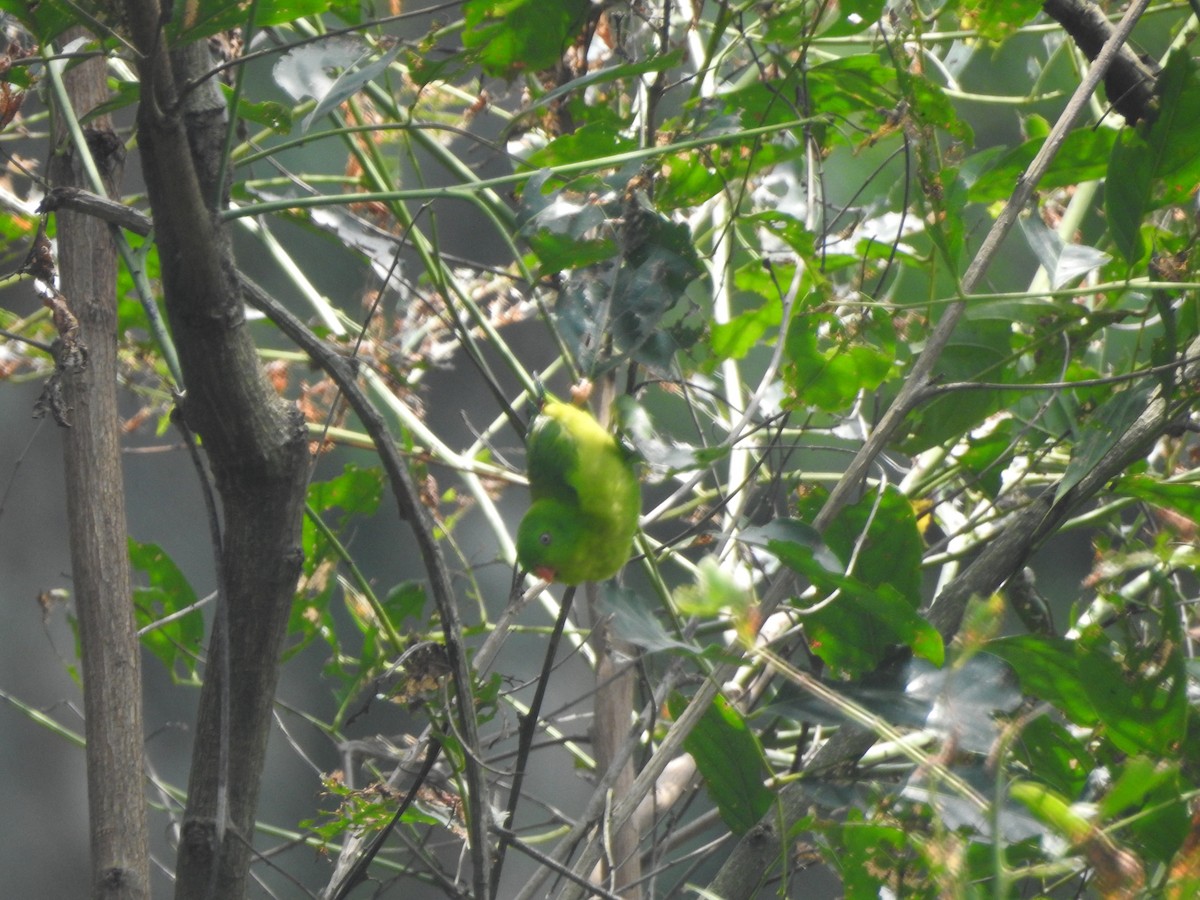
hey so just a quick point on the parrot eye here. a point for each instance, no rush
(544, 538)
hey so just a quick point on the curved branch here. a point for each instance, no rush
(407, 497)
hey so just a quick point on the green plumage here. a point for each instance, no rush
(586, 498)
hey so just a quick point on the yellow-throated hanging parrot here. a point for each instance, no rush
(586, 498)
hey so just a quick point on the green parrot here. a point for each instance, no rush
(586, 498)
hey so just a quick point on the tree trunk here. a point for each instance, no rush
(112, 682)
(255, 445)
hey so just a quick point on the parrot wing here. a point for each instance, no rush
(552, 456)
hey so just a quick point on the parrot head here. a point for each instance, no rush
(558, 542)
(551, 542)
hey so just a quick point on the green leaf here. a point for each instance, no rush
(1063, 262)
(633, 620)
(650, 290)
(1127, 193)
(930, 106)
(876, 609)
(997, 20)
(405, 601)
(594, 140)
(191, 22)
(45, 21)
(984, 454)
(1051, 808)
(853, 16)
(880, 532)
(1139, 776)
(1175, 131)
(864, 854)
(1082, 158)
(737, 337)
(851, 86)
(125, 93)
(689, 178)
(330, 72)
(830, 377)
(980, 350)
(1155, 165)
(566, 231)
(1059, 758)
(789, 24)
(730, 762)
(177, 643)
(585, 112)
(268, 113)
(1141, 699)
(663, 457)
(715, 590)
(1183, 498)
(796, 544)
(1049, 670)
(356, 492)
(514, 36)
(1162, 821)
(557, 252)
(857, 632)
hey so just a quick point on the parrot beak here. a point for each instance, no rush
(544, 572)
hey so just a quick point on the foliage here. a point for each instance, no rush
(750, 221)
